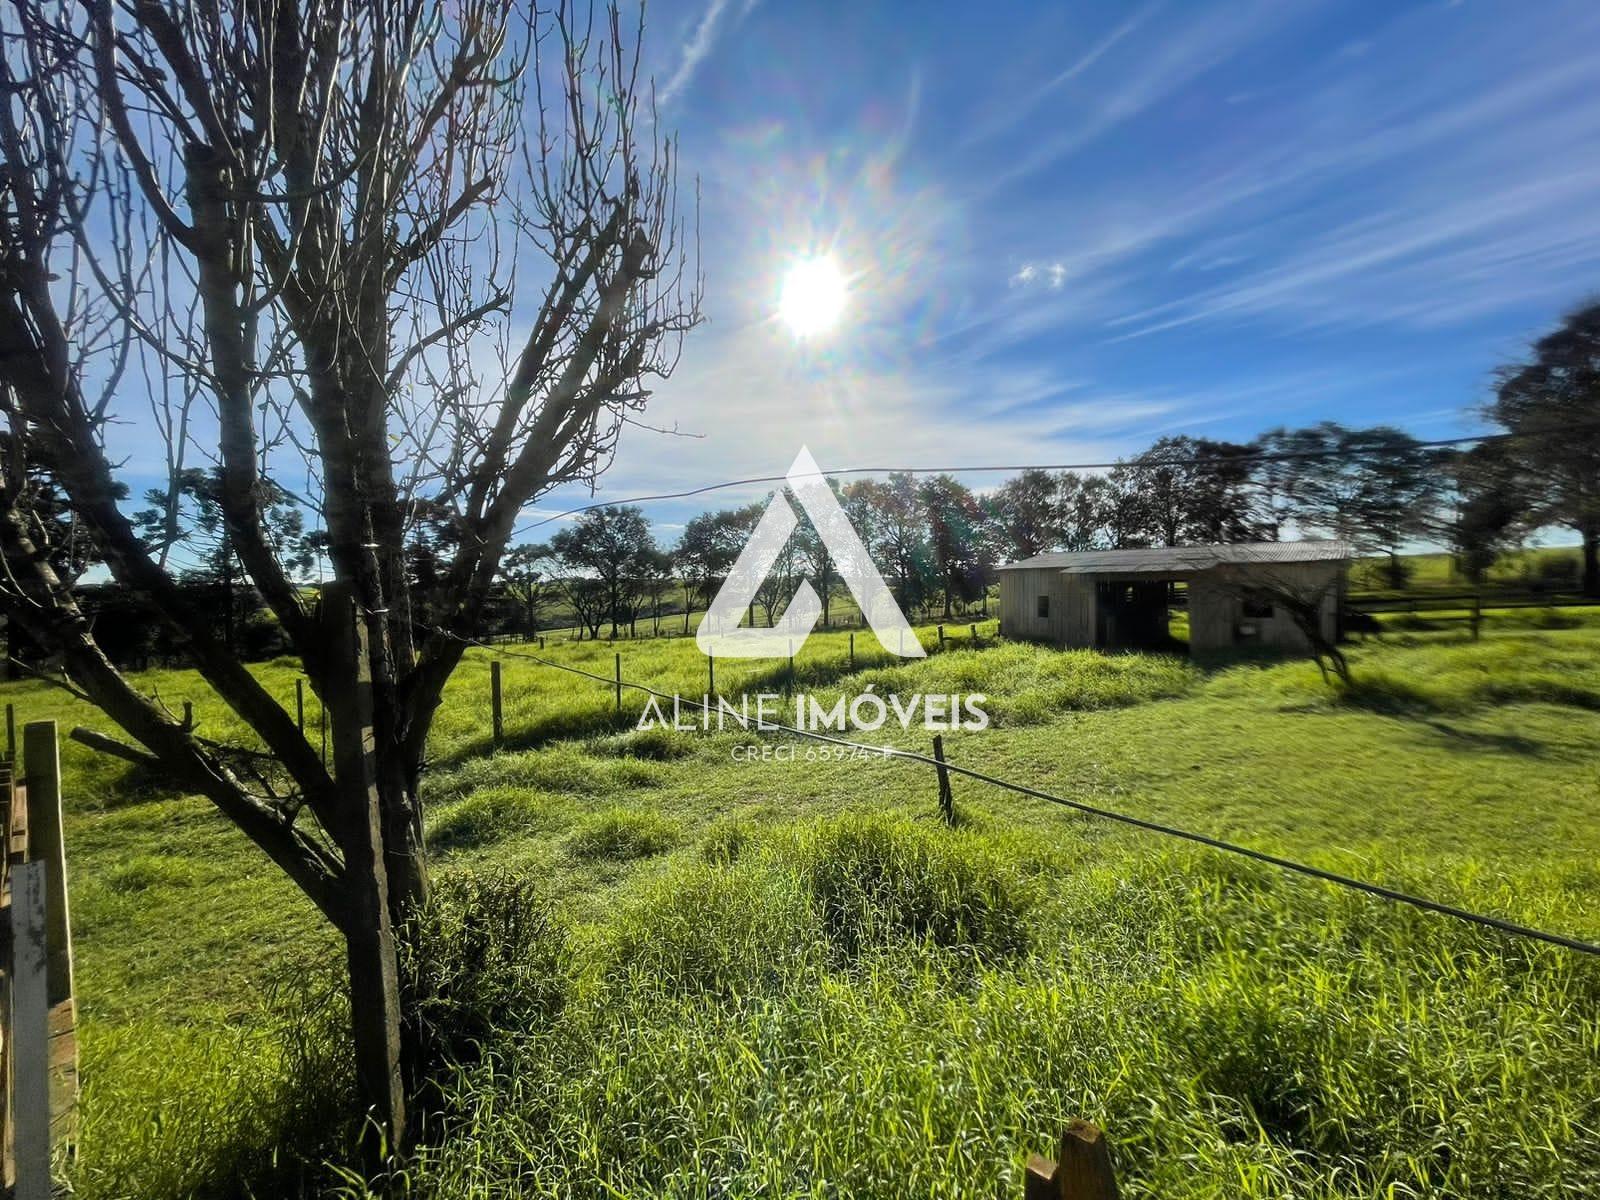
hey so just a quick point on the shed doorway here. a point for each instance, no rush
(1132, 616)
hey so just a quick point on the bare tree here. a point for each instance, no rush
(385, 258)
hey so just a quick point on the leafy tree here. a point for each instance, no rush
(1158, 489)
(1376, 488)
(1491, 511)
(706, 550)
(959, 554)
(1224, 498)
(526, 572)
(1085, 510)
(1125, 510)
(1552, 402)
(1185, 490)
(187, 517)
(613, 545)
(1027, 511)
(656, 583)
(817, 562)
(894, 528)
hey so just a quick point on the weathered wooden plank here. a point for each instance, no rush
(30, 1032)
(42, 760)
(63, 1073)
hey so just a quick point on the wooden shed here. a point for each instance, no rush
(1120, 599)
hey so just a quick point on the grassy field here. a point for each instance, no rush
(785, 977)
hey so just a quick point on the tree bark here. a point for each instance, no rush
(1591, 562)
(369, 931)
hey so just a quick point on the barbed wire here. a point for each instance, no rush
(1182, 460)
(1394, 895)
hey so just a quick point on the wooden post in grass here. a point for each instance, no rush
(852, 651)
(791, 666)
(947, 798)
(43, 783)
(497, 721)
(300, 706)
(541, 641)
(711, 677)
(619, 683)
(46, 848)
(941, 637)
(1082, 1170)
(29, 1032)
(974, 634)
(188, 714)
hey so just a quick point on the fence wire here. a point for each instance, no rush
(1394, 895)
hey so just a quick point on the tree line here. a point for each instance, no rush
(938, 542)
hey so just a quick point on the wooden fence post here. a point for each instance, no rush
(941, 637)
(791, 666)
(42, 761)
(300, 705)
(947, 799)
(711, 677)
(619, 683)
(29, 1032)
(494, 701)
(974, 630)
(1081, 1172)
(852, 651)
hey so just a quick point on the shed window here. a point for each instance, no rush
(1044, 608)
(1257, 606)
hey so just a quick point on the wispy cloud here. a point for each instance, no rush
(701, 41)
(1016, 111)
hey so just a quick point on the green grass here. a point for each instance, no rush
(1436, 572)
(786, 977)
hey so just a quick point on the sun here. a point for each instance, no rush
(814, 295)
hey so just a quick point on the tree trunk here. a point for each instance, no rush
(368, 930)
(1591, 562)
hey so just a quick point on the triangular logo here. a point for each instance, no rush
(719, 634)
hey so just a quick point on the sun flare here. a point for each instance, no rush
(813, 298)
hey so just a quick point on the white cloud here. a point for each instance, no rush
(701, 42)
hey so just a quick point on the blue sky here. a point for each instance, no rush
(1072, 228)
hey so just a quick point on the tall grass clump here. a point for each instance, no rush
(622, 834)
(702, 929)
(493, 813)
(482, 958)
(169, 1112)
(876, 880)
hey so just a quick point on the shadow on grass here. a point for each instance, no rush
(1489, 743)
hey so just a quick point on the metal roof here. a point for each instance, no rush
(1183, 559)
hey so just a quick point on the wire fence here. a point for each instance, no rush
(944, 767)
(1169, 460)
